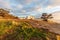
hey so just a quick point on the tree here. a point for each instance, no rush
(46, 16)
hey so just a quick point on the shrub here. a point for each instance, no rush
(22, 31)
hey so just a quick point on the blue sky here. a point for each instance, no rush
(24, 8)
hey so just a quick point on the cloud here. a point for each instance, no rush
(5, 4)
(38, 8)
(49, 7)
(20, 6)
(23, 12)
(31, 7)
(56, 3)
(53, 9)
(56, 16)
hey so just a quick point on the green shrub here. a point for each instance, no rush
(22, 31)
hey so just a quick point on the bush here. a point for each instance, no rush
(22, 31)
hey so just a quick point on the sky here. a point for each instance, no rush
(23, 8)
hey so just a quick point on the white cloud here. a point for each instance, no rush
(20, 6)
(56, 2)
(11, 13)
(54, 9)
(30, 1)
(56, 16)
(38, 8)
(23, 11)
(5, 4)
(49, 7)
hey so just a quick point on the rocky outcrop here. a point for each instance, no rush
(4, 14)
